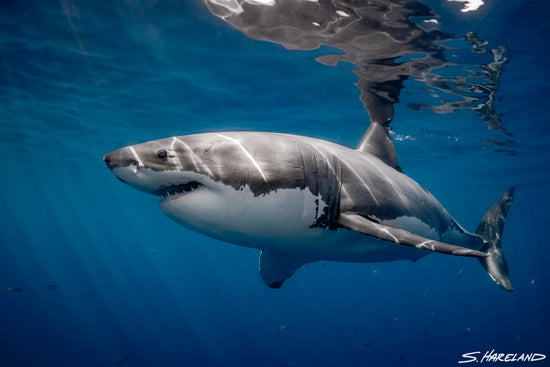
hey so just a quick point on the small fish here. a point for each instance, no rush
(123, 359)
(467, 331)
(401, 358)
(460, 271)
(390, 319)
(16, 290)
(91, 325)
(532, 282)
(280, 329)
(50, 287)
(359, 326)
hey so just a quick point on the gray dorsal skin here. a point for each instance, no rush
(300, 199)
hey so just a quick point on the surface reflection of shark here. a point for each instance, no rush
(389, 41)
(300, 200)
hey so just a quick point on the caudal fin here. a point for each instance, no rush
(490, 230)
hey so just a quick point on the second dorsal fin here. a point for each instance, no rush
(377, 142)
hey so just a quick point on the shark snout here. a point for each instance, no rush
(121, 158)
(108, 160)
(126, 165)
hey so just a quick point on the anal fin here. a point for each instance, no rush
(276, 267)
(360, 224)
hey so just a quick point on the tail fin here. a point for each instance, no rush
(490, 230)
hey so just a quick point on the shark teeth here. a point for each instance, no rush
(173, 190)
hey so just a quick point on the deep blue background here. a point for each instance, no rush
(81, 78)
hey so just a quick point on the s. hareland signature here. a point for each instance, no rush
(493, 356)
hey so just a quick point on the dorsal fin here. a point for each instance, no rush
(377, 142)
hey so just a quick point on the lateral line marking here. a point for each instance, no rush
(247, 154)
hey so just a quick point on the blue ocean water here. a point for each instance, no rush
(93, 274)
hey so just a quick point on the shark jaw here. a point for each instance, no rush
(174, 191)
(168, 185)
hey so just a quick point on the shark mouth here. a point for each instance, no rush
(178, 190)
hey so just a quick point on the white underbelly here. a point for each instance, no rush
(282, 220)
(233, 215)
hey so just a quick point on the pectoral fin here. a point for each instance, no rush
(276, 267)
(367, 227)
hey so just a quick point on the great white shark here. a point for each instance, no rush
(300, 199)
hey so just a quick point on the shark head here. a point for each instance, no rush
(166, 167)
(195, 176)
(174, 167)
(225, 185)
(191, 174)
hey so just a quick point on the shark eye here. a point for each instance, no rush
(162, 153)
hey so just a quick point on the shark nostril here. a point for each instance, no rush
(107, 161)
(120, 159)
